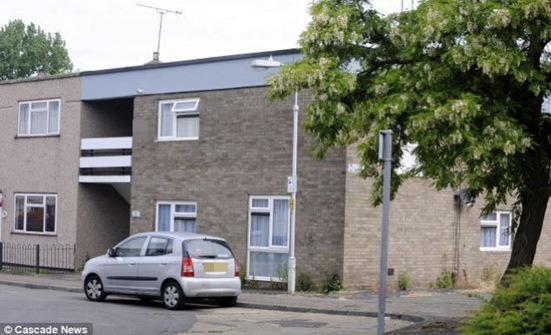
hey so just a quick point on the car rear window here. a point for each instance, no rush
(206, 248)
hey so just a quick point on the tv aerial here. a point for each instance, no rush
(162, 12)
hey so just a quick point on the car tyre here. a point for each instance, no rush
(93, 288)
(227, 301)
(173, 296)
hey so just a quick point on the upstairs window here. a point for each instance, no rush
(179, 120)
(39, 118)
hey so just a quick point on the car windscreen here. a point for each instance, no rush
(208, 248)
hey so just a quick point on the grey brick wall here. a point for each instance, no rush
(244, 149)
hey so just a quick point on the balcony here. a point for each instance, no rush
(106, 160)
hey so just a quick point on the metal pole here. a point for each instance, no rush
(292, 260)
(37, 267)
(385, 154)
(160, 30)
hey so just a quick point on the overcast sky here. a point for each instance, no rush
(103, 34)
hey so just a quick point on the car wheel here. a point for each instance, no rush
(173, 297)
(93, 288)
(226, 301)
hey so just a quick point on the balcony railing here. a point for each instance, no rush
(106, 160)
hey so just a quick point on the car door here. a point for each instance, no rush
(157, 264)
(121, 270)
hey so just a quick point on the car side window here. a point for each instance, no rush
(159, 246)
(130, 248)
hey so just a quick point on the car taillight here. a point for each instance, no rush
(236, 267)
(187, 267)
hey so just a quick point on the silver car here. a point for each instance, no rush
(173, 267)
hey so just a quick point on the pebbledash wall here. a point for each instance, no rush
(40, 164)
(429, 232)
(244, 149)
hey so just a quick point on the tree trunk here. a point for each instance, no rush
(534, 198)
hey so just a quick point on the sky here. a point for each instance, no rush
(105, 34)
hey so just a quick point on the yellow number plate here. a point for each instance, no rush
(215, 267)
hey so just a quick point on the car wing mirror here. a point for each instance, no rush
(111, 252)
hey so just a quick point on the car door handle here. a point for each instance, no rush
(163, 264)
(131, 264)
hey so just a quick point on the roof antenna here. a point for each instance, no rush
(161, 11)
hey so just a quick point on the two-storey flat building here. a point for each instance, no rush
(89, 158)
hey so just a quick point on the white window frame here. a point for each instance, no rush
(26, 205)
(484, 222)
(191, 112)
(174, 215)
(270, 248)
(48, 132)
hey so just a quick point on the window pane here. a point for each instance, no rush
(189, 208)
(130, 248)
(157, 246)
(206, 248)
(19, 213)
(267, 264)
(260, 230)
(280, 234)
(190, 105)
(23, 119)
(164, 218)
(488, 237)
(35, 219)
(490, 217)
(260, 203)
(39, 105)
(166, 120)
(504, 229)
(35, 200)
(53, 119)
(39, 122)
(50, 214)
(185, 225)
(187, 126)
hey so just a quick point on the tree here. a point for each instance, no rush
(464, 79)
(26, 50)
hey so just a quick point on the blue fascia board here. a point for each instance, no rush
(217, 73)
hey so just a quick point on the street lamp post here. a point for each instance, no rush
(292, 181)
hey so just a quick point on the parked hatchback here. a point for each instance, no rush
(172, 267)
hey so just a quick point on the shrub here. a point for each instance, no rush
(404, 281)
(304, 283)
(522, 307)
(445, 280)
(331, 283)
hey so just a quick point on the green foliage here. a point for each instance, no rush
(283, 272)
(243, 276)
(304, 283)
(26, 50)
(404, 281)
(444, 280)
(523, 307)
(464, 80)
(331, 283)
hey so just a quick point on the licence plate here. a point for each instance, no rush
(215, 267)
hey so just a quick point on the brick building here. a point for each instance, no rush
(195, 146)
